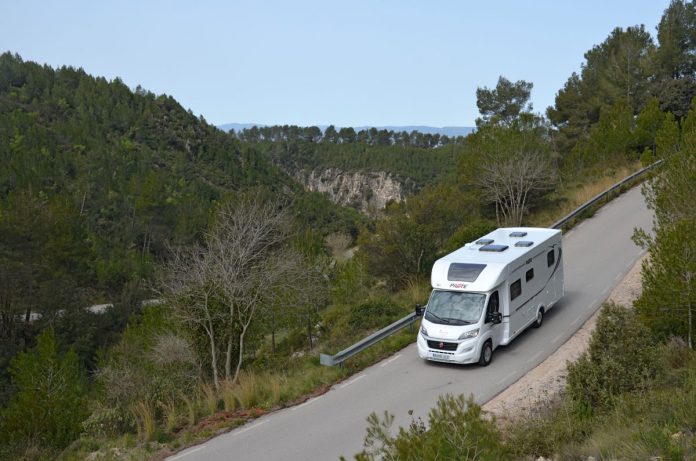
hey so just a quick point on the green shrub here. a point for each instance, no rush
(621, 357)
(456, 430)
(468, 232)
(373, 314)
(49, 406)
(105, 422)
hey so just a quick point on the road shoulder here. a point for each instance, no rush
(546, 382)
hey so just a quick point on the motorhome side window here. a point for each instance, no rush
(529, 275)
(550, 258)
(515, 289)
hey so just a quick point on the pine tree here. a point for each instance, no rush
(49, 406)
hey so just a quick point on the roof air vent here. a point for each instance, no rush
(517, 234)
(494, 248)
(484, 241)
(524, 243)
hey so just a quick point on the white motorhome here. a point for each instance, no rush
(488, 292)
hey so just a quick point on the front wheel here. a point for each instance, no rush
(486, 354)
(539, 318)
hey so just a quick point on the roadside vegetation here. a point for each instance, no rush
(127, 198)
(632, 394)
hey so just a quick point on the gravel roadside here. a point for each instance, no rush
(546, 381)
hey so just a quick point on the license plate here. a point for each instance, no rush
(437, 356)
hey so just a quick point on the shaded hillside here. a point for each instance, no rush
(95, 181)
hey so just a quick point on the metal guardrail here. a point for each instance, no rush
(563, 221)
(332, 360)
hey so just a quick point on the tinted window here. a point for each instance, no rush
(493, 304)
(515, 289)
(462, 272)
(529, 275)
(550, 258)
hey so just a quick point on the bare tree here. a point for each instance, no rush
(508, 165)
(187, 284)
(245, 265)
(249, 260)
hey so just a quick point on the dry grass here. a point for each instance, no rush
(229, 396)
(170, 414)
(259, 389)
(190, 407)
(209, 398)
(145, 420)
(575, 195)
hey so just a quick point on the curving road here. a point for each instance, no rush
(597, 254)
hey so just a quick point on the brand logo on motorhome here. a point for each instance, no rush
(457, 285)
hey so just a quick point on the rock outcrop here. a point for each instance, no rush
(368, 192)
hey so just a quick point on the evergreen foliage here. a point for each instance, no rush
(621, 358)
(95, 181)
(456, 430)
(49, 406)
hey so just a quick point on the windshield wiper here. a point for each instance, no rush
(428, 313)
(457, 321)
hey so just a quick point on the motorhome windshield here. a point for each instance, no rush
(454, 307)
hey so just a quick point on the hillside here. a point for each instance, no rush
(96, 181)
(365, 169)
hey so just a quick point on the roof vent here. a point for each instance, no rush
(517, 234)
(484, 241)
(524, 243)
(494, 248)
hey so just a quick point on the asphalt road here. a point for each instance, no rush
(597, 254)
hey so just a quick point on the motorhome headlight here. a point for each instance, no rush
(423, 331)
(469, 334)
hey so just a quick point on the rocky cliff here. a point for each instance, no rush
(368, 192)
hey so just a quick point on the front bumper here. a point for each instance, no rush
(468, 351)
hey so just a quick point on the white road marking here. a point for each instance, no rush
(577, 319)
(181, 455)
(535, 356)
(618, 276)
(580, 225)
(346, 384)
(390, 360)
(304, 404)
(629, 265)
(253, 426)
(557, 338)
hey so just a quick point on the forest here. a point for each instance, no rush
(225, 279)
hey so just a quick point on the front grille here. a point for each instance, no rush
(442, 346)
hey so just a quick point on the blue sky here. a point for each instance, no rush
(320, 62)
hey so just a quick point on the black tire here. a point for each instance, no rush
(486, 354)
(540, 318)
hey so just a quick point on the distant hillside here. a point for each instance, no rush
(104, 178)
(238, 126)
(451, 131)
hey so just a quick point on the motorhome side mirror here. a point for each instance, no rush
(419, 310)
(494, 317)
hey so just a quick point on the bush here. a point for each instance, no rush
(49, 406)
(621, 358)
(457, 431)
(373, 314)
(105, 422)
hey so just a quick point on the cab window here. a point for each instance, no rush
(493, 304)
